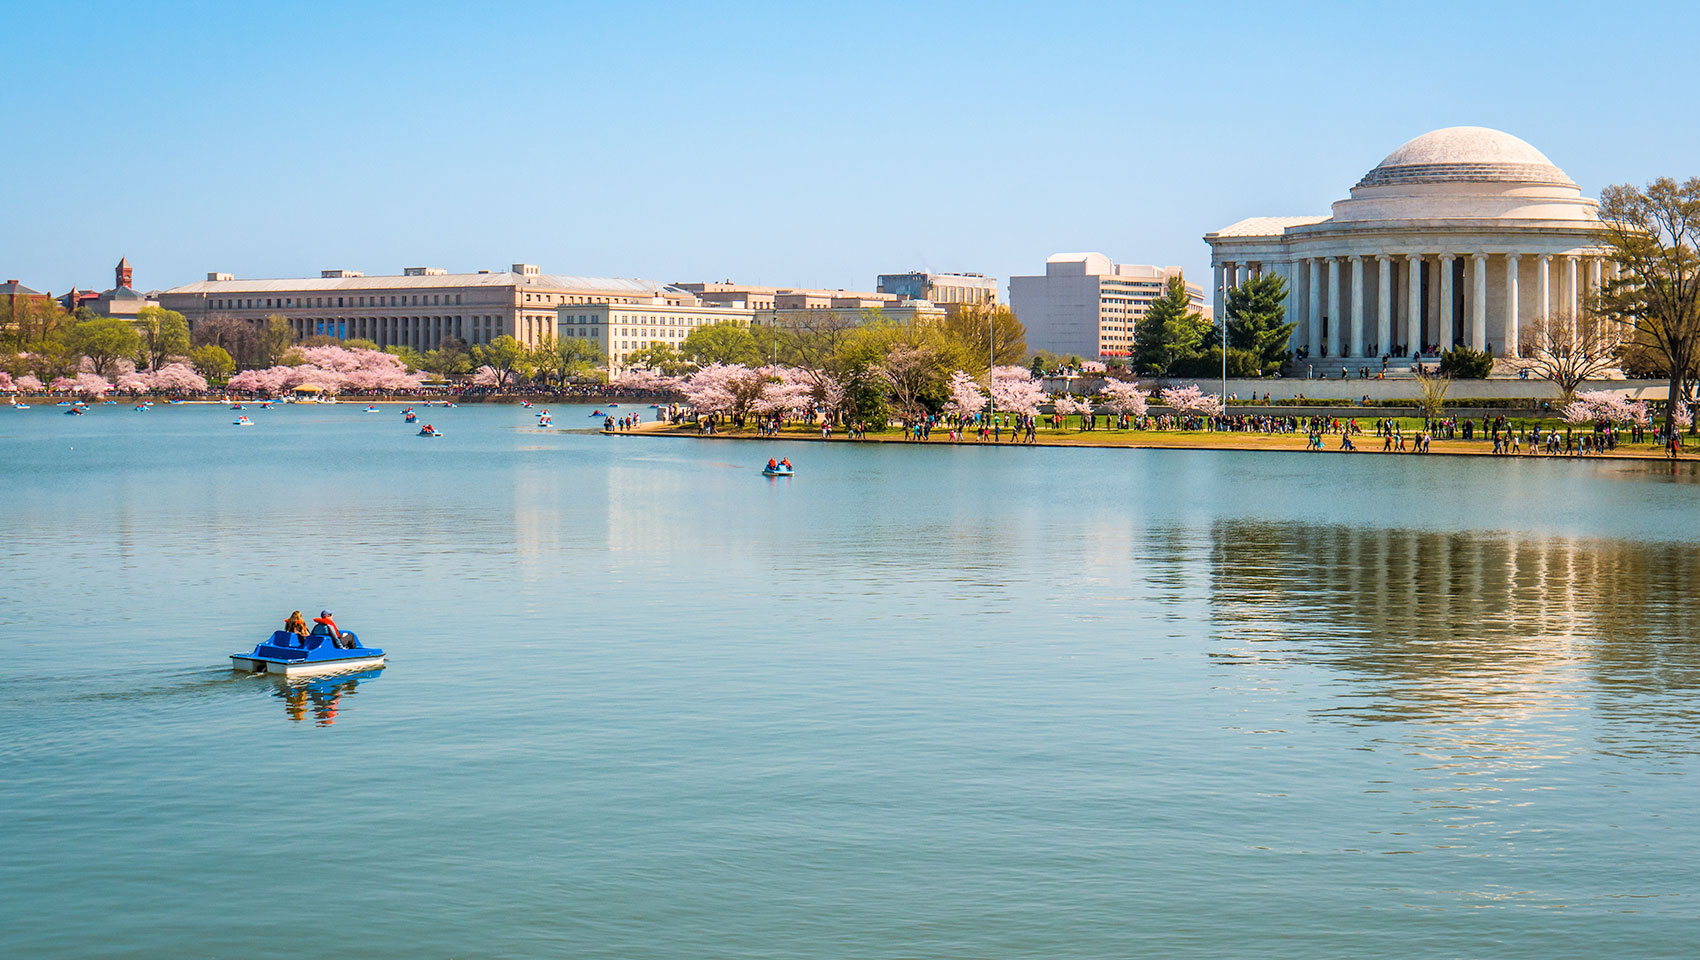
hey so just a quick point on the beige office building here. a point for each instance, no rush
(418, 309)
(1088, 306)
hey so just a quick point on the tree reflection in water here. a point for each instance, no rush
(1483, 629)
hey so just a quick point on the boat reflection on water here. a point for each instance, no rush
(323, 696)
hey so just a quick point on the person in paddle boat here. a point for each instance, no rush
(772, 464)
(324, 624)
(297, 626)
(785, 464)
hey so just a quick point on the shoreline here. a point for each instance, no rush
(1241, 442)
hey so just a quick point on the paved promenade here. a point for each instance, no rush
(1161, 440)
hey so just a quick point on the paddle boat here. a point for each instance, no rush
(545, 420)
(429, 431)
(526, 404)
(141, 408)
(372, 409)
(75, 411)
(287, 655)
(20, 406)
(449, 405)
(411, 417)
(781, 470)
(243, 421)
(236, 406)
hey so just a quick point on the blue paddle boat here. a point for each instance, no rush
(288, 655)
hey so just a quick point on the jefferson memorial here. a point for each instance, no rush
(1459, 236)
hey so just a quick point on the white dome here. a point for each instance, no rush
(1465, 154)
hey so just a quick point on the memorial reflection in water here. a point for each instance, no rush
(1470, 628)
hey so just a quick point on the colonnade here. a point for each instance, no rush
(417, 332)
(1424, 302)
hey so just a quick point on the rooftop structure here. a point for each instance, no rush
(943, 289)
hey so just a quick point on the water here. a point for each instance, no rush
(942, 702)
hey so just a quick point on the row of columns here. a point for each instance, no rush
(1324, 274)
(419, 333)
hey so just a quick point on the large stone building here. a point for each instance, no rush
(1458, 236)
(620, 329)
(418, 309)
(943, 289)
(1085, 305)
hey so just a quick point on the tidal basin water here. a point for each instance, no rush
(943, 702)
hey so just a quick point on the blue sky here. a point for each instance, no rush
(808, 144)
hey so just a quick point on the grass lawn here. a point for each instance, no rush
(1073, 436)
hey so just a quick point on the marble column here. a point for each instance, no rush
(1477, 336)
(1571, 290)
(1333, 307)
(1217, 297)
(1594, 271)
(1315, 338)
(1512, 336)
(1445, 333)
(1414, 304)
(1384, 305)
(1543, 286)
(1357, 327)
(1290, 271)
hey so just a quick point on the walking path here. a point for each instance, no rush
(1367, 443)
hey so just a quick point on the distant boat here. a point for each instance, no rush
(242, 422)
(371, 409)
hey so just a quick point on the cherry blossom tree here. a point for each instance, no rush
(966, 397)
(1601, 406)
(787, 391)
(486, 376)
(1066, 405)
(1191, 401)
(87, 384)
(1125, 398)
(6, 381)
(28, 383)
(1015, 390)
(728, 388)
(176, 378)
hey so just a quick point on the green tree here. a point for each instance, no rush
(981, 329)
(725, 342)
(507, 356)
(1654, 237)
(212, 361)
(105, 341)
(574, 356)
(359, 343)
(276, 337)
(1257, 312)
(164, 334)
(662, 358)
(1463, 363)
(26, 322)
(410, 358)
(1169, 332)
